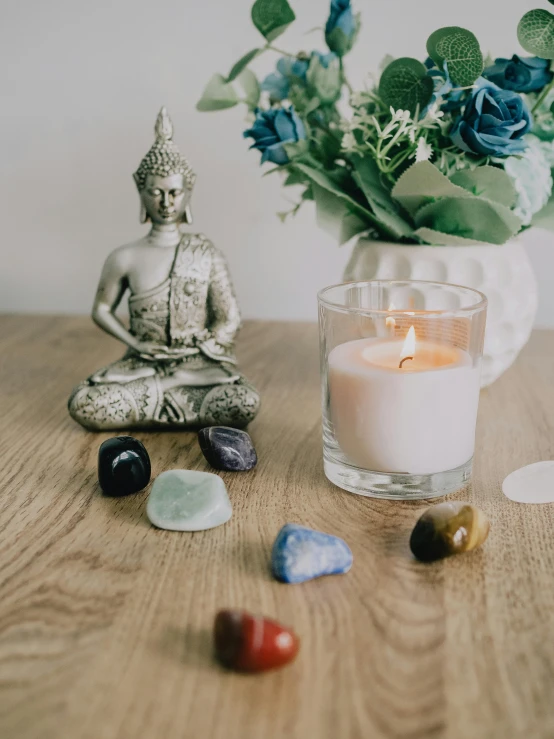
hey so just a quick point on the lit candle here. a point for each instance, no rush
(403, 405)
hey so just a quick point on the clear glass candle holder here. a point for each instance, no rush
(400, 366)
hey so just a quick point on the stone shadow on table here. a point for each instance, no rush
(252, 558)
(190, 645)
(131, 508)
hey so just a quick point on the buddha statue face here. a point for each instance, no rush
(164, 179)
(166, 199)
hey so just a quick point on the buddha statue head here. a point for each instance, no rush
(164, 179)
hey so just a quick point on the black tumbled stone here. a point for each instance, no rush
(227, 448)
(123, 466)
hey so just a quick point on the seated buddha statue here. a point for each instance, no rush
(179, 369)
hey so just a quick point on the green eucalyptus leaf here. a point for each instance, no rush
(242, 63)
(249, 83)
(535, 33)
(272, 17)
(423, 183)
(460, 49)
(218, 95)
(470, 218)
(438, 238)
(492, 183)
(405, 85)
(334, 216)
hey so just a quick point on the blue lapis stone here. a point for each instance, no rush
(300, 554)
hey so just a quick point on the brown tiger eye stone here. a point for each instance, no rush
(448, 528)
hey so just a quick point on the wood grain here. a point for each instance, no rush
(105, 621)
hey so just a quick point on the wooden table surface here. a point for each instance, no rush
(105, 622)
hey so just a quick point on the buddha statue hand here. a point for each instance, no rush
(216, 351)
(150, 350)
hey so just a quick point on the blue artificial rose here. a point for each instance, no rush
(272, 129)
(341, 27)
(493, 123)
(520, 74)
(291, 70)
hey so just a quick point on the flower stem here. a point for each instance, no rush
(282, 51)
(542, 96)
(344, 78)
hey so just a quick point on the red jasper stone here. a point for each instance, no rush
(250, 643)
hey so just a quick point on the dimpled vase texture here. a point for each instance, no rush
(301, 554)
(503, 273)
(123, 466)
(187, 500)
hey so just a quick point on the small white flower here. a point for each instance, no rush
(424, 150)
(357, 99)
(348, 142)
(434, 113)
(412, 134)
(400, 115)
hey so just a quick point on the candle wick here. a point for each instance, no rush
(403, 360)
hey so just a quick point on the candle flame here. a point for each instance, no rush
(389, 320)
(409, 347)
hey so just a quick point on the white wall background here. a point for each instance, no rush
(81, 85)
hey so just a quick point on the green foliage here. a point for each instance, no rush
(405, 85)
(218, 95)
(470, 218)
(326, 81)
(334, 216)
(323, 180)
(545, 217)
(396, 173)
(489, 182)
(423, 183)
(460, 49)
(438, 238)
(242, 63)
(296, 149)
(249, 83)
(367, 177)
(535, 33)
(272, 17)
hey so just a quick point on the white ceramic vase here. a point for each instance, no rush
(503, 273)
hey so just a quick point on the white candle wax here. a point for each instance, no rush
(419, 419)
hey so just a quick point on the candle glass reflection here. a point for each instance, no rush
(400, 365)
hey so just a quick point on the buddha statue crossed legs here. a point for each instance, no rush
(179, 369)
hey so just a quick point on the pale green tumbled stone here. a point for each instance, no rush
(186, 500)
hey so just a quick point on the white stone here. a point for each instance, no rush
(187, 500)
(531, 484)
